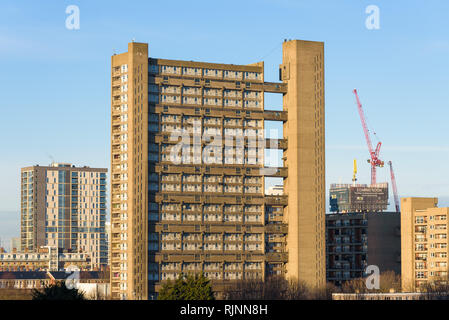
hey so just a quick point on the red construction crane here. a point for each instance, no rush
(395, 189)
(374, 154)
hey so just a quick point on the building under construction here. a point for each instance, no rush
(345, 198)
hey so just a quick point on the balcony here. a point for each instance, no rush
(275, 115)
(274, 172)
(274, 87)
(276, 200)
(280, 143)
(276, 228)
(276, 257)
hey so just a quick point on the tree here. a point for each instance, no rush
(57, 291)
(273, 288)
(256, 289)
(388, 281)
(435, 289)
(357, 286)
(326, 293)
(187, 287)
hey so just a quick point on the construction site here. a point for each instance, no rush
(373, 197)
(359, 230)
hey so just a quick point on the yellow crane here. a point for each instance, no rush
(354, 173)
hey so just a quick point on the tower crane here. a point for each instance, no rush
(374, 154)
(395, 189)
(354, 173)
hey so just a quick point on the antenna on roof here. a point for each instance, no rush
(51, 158)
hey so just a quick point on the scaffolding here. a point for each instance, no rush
(345, 198)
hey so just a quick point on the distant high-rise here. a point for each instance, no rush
(357, 240)
(276, 190)
(188, 171)
(64, 206)
(15, 244)
(424, 250)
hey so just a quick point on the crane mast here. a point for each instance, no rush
(354, 172)
(374, 154)
(395, 190)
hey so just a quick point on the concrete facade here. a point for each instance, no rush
(302, 70)
(208, 213)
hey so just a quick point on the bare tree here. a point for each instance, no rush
(354, 286)
(297, 290)
(437, 289)
(276, 288)
(255, 289)
(326, 293)
(388, 281)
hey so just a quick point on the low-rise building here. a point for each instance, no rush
(93, 284)
(390, 296)
(44, 259)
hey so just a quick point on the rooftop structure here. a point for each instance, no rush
(358, 197)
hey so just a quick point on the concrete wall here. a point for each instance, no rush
(384, 241)
(303, 70)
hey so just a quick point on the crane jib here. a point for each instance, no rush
(375, 161)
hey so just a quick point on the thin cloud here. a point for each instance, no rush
(13, 44)
(437, 46)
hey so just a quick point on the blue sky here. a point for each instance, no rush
(55, 82)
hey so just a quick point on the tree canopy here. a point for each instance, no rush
(187, 287)
(57, 291)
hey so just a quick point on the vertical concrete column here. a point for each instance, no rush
(303, 71)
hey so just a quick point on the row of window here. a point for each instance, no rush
(206, 217)
(206, 72)
(173, 118)
(206, 207)
(204, 101)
